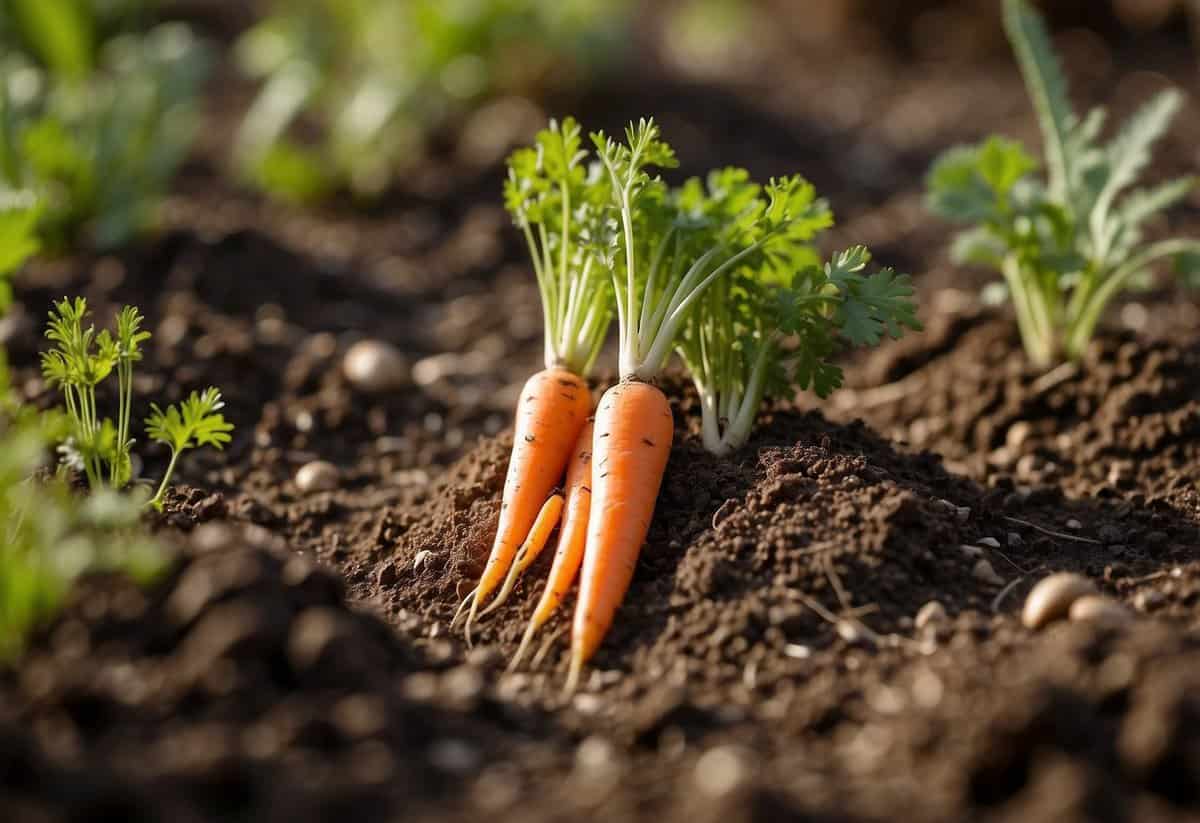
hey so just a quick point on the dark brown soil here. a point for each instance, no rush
(296, 664)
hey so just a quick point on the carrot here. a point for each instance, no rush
(670, 246)
(571, 537)
(630, 447)
(554, 406)
(539, 535)
(557, 208)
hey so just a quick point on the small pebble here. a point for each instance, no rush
(1052, 597)
(983, 571)
(1074, 525)
(850, 631)
(374, 366)
(1014, 540)
(422, 559)
(797, 651)
(1095, 608)
(1148, 601)
(719, 771)
(931, 612)
(317, 476)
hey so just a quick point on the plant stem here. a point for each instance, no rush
(156, 501)
(1032, 335)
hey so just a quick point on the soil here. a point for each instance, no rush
(296, 662)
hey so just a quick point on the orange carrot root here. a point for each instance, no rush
(553, 408)
(571, 538)
(630, 448)
(539, 535)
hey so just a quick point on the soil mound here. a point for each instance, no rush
(241, 687)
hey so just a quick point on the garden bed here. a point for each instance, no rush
(296, 663)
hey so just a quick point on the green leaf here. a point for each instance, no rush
(956, 190)
(130, 335)
(59, 31)
(1141, 204)
(196, 422)
(1048, 89)
(17, 239)
(1187, 266)
(292, 173)
(871, 305)
(1003, 162)
(1129, 152)
(979, 246)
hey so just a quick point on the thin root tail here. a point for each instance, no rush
(470, 619)
(510, 581)
(573, 675)
(458, 613)
(524, 647)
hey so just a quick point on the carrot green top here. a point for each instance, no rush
(559, 205)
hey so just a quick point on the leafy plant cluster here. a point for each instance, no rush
(723, 270)
(93, 119)
(100, 447)
(49, 535)
(1070, 242)
(372, 78)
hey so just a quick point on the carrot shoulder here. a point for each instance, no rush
(554, 406)
(630, 448)
(572, 534)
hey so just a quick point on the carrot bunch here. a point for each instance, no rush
(556, 207)
(722, 271)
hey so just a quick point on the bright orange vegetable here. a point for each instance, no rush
(539, 536)
(571, 538)
(630, 448)
(554, 406)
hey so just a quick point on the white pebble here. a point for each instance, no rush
(374, 366)
(1052, 597)
(1094, 608)
(317, 476)
(719, 771)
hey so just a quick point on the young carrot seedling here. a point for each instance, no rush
(1069, 244)
(81, 360)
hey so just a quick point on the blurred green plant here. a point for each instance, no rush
(1068, 244)
(18, 238)
(95, 126)
(51, 535)
(99, 447)
(48, 534)
(372, 78)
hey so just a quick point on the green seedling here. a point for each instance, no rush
(98, 447)
(771, 326)
(1071, 241)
